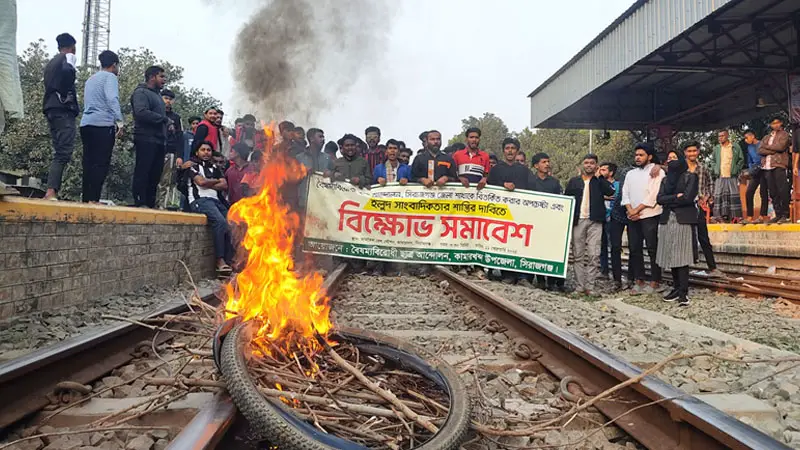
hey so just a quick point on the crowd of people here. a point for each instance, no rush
(662, 205)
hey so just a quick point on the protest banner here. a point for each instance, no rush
(520, 231)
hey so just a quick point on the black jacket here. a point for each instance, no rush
(509, 173)
(598, 188)
(175, 138)
(684, 206)
(59, 86)
(549, 184)
(444, 166)
(149, 115)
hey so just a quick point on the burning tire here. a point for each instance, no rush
(286, 431)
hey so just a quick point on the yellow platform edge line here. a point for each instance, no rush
(726, 227)
(19, 209)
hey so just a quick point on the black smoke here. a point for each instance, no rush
(294, 59)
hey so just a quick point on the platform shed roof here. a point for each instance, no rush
(692, 64)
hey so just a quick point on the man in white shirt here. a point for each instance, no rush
(639, 194)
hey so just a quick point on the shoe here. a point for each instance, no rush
(784, 220)
(508, 280)
(661, 288)
(684, 301)
(672, 295)
(524, 282)
(716, 273)
(618, 286)
(376, 273)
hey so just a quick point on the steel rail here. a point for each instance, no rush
(667, 418)
(751, 284)
(207, 429)
(27, 381)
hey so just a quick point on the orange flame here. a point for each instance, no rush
(290, 307)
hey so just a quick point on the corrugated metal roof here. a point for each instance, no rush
(642, 29)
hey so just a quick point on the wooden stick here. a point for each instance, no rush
(311, 399)
(390, 397)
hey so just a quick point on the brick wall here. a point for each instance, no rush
(55, 254)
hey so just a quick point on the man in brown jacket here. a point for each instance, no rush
(774, 151)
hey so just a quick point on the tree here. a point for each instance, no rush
(493, 131)
(26, 144)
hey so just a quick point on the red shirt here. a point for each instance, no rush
(234, 176)
(472, 167)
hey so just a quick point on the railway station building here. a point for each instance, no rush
(672, 65)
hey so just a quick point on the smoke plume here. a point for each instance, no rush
(295, 58)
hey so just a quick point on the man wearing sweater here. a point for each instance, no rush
(101, 124)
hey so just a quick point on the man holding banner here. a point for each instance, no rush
(510, 175)
(432, 166)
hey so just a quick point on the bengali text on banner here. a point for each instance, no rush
(520, 231)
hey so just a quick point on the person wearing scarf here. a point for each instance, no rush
(675, 234)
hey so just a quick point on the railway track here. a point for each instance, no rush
(738, 282)
(487, 338)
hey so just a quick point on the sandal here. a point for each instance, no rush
(224, 269)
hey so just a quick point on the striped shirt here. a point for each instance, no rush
(101, 100)
(374, 157)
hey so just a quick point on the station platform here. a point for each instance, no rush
(758, 248)
(55, 254)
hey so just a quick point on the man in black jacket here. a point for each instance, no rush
(61, 109)
(149, 136)
(542, 181)
(510, 175)
(173, 149)
(432, 166)
(589, 190)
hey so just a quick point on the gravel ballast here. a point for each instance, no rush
(642, 342)
(752, 319)
(22, 335)
(508, 394)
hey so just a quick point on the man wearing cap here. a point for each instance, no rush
(101, 124)
(774, 151)
(174, 149)
(61, 109)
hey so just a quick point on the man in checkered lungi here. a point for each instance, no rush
(727, 161)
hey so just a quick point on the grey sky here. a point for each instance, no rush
(447, 59)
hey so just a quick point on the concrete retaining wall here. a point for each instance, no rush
(55, 254)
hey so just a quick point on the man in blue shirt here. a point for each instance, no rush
(756, 180)
(608, 171)
(101, 124)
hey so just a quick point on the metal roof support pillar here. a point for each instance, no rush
(795, 62)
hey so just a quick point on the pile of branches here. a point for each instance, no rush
(358, 397)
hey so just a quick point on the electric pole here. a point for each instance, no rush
(96, 31)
